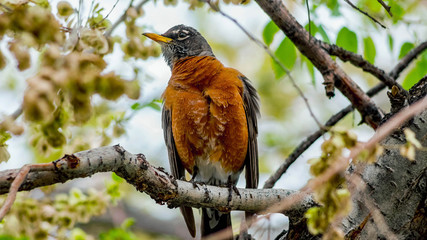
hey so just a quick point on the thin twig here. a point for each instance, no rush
(5, 7)
(14, 187)
(304, 145)
(364, 13)
(407, 59)
(269, 52)
(17, 113)
(386, 7)
(79, 14)
(394, 74)
(17, 182)
(308, 14)
(114, 6)
(90, 12)
(123, 17)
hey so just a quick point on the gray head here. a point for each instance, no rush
(181, 41)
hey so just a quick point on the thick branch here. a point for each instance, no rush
(321, 59)
(154, 181)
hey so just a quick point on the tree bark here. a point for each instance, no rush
(332, 73)
(155, 182)
(395, 187)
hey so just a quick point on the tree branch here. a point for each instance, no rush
(331, 72)
(158, 184)
(358, 61)
(364, 13)
(386, 7)
(123, 17)
(407, 59)
(304, 145)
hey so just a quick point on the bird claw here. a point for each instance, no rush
(193, 178)
(194, 184)
(231, 187)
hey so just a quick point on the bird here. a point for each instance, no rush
(209, 121)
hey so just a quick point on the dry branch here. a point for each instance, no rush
(158, 184)
(322, 61)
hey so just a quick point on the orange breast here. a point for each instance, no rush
(208, 116)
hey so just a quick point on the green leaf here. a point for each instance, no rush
(323, 34)
(347, 40)
(4, 136)
(127, 223)
(269, 31)
(136, 106)
(116, 178)
(287, 55)
(416, 73)
(155, 104)
(334, 7)
(313, 28)
(310, 68)
(369, 51)
(396, 10)
(390, 42)
(406, 47)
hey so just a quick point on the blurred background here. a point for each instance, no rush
(136, 124)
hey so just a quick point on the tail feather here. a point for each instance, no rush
(187, 213)
(214, 221)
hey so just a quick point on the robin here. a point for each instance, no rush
(209, 119)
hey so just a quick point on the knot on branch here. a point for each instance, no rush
(67, 162)
(329, 82)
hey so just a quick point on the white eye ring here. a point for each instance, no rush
(182, 35)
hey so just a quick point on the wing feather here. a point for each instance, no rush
(250, 100)
(177, 169)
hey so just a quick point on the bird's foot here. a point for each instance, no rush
(193, 178)
(232, 187)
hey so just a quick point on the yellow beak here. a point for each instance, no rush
(158, 38)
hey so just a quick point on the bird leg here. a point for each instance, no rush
(231, 187)
(193, 178)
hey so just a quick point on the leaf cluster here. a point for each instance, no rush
(333, 195)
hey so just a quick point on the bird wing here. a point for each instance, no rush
(177, 169)
(250, 100)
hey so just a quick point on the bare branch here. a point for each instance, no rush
(123, 17)
(386, 7)
(407, 59)
(154, 181)
(108, 14)
(13, 190)
(364, 13)
(304, 145)
(321, 60)
(358, 61)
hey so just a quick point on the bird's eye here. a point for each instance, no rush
(182, 35)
